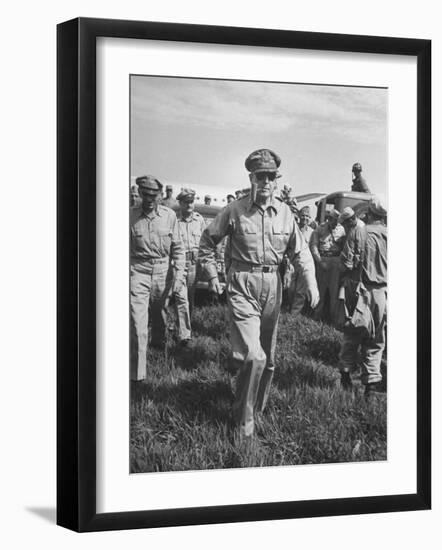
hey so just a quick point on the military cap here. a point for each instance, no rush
(230, 195)
(149, 182)
(375, 207)
(332, 214)
(305, 210)
(347, 214)
(207, 197)
(169, 188)
(357, 166)
(186, 193)
(262, 160)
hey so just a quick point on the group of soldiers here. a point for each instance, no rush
(168, 249)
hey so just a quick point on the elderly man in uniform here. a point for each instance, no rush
(366, 275)
(155, 242)
(326, 243)
(296, 297)
(359, 183)
(261, 229)
(169, 201)
(191, 226)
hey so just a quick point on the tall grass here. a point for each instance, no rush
(180, 418)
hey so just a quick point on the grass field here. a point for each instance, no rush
(180, 418)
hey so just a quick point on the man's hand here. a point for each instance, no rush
(313, 297)
(214, 286)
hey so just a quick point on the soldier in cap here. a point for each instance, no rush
(366, 281)
(191, 225)
(261, 229)
(326, 243)
(230, 198)
(134, 196)
(207, 200)
(297, 298)
(155, 242)
(359, 183)
(169, 201)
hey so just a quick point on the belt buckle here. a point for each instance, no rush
(266, 269)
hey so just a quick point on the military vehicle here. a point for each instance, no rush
(341, 199)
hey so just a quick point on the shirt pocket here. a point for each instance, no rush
(138, 239)
(196, 237)
(165, 238)
(247, 235)
(280, 238)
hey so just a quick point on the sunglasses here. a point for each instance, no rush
(262, 176)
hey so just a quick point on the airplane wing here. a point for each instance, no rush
(309, 196)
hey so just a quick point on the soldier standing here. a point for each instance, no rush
(326, 243)
(367, 276)
(261, 229)
(169, 201)
(191, 225)
(155, 241)
(207, 200)
(359, 183)
(296, 297)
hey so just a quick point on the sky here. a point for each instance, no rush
(199, 132)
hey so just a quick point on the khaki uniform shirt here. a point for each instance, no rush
(191, 230)
(257, 237)
(351, 254)
(307, 232)
(170, 202)
(325, 242)
(155, 236)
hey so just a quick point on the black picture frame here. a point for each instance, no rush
(76, 273)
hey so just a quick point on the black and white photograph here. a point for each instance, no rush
(258, 273)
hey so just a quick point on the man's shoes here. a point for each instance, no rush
(346, 381)
(160, 346)
(186, 343)
(370, 391)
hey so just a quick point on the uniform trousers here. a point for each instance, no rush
(184, 300)
(371, 348)
(297, 297)
(148, 287)
(328, 285)
(254, 302)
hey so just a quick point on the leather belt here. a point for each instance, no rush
(240, 266)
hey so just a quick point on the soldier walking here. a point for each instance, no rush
(261, 229)
(191, 225)
(155, 241)
(366, 276)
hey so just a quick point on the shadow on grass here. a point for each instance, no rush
(193, 400)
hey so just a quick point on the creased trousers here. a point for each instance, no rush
(184, 300)
(371, 349)
(254, 301)
(328, 286)
(148, 287)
